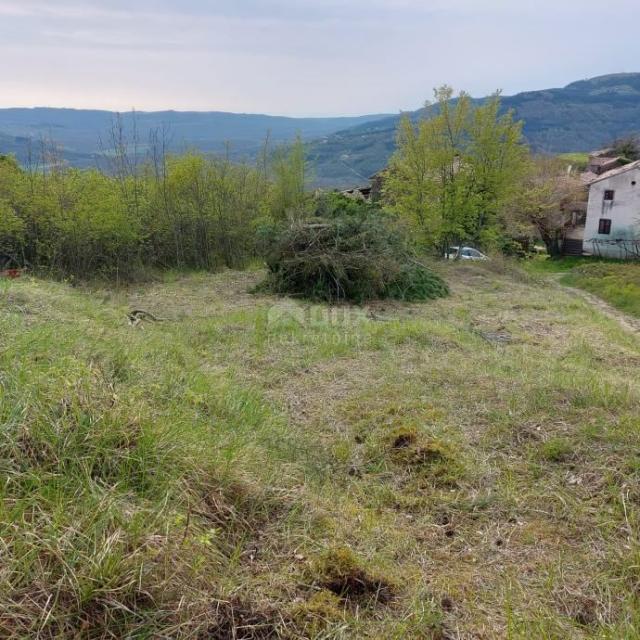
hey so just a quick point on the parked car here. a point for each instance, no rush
(464, 253)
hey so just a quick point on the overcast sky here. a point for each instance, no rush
(302, 57)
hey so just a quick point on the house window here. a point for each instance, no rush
(604, 226)
(609, 195)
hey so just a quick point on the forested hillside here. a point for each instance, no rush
(580, 117)
(83, 135)
(342, 151)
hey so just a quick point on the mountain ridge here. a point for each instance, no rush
(582, 116)
(343, 151)
(79, 131)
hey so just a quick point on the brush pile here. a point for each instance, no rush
(348, 250)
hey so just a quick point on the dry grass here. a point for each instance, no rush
(248, 468)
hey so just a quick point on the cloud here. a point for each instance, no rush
(299, 56)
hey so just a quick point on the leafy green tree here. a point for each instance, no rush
(11, 225)
(12, 230)
(288, 194)
(454, 170)
(188, 211)
(544, 202)
(628, 147)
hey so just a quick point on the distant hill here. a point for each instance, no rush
(582, 116)
(343, 151)
(79, 132)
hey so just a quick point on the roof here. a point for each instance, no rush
(599, 161)
(354, 189)
(588, 176)
(616, 172)
(602, 153)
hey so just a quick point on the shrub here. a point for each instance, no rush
(187, 212)
(348, 250)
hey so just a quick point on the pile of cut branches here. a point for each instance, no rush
(348, 251)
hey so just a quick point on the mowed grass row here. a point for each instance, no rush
(254, 467)
(614, 281)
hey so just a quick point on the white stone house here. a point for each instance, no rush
(612, 225)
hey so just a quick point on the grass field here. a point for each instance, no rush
(616, 282)
(258, 468)
(578, 160)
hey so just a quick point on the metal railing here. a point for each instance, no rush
(629, 249)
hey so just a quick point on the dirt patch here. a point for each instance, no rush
(584, 609)
(342, 573)
(237, 619)
(429, 454)
(403, 439)
(409, 450)
(241, 512)
(243, 619)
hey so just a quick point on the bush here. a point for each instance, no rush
(187, 212)
(348, 250)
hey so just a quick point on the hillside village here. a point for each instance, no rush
(601, 221)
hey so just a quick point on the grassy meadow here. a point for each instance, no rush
(617, 283)
(578, 160)
(614, 281)
(254, 467)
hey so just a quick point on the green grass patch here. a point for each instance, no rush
(255, 467)
(545, 264)
(577, 159)
(616, 283)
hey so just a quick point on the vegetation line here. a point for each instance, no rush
(624, 319)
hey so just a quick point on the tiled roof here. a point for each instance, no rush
(599, 161)
(617, 171)
(602, 153)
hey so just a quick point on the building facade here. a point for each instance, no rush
(612, 225)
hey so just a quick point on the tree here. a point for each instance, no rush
(11, 232)
(628, 148)
(189, 211)
(288, 195)
(454, 171)
(544, 202)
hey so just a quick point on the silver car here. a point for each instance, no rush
(464, 253)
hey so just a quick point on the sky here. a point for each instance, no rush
(302, 57)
